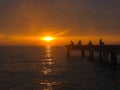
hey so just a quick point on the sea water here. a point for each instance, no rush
(48, 68)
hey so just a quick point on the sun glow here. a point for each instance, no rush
(48, 38)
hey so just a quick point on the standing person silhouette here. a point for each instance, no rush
(79, 43)
(102, 53)
(101, 41)
(72, 43)
(90, 43)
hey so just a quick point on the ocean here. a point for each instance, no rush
(48, 68)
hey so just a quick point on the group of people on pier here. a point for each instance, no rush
(105, 52)
(89, 43)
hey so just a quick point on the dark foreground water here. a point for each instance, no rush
(47, 68)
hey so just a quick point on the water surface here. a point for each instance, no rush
(47, 68)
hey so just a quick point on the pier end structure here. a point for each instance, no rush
(103, 51)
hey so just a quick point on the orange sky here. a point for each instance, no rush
(23, 22)
(59, 40)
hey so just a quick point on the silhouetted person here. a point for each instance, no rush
(101, 42)
(79, 43)
(71, 43)
(102, 53)
(90, 43)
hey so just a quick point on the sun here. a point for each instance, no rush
(48, 38)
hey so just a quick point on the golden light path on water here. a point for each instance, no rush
(48, 61)
(47, 70)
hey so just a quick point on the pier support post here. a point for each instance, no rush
(82, 53)
(106, 56)
(91, 54)
(114, 58)
(100, 56)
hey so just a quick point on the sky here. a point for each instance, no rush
(23, 22)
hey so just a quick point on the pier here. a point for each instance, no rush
(103, 50)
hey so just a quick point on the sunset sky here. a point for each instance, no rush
(24, 22)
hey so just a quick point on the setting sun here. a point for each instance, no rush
(48, 38)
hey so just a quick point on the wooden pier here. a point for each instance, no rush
(103, 50)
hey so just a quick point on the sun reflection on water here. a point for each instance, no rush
(47, 69)
(47, 62)
(48, 85)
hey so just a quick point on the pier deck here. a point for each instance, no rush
(103, 51)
